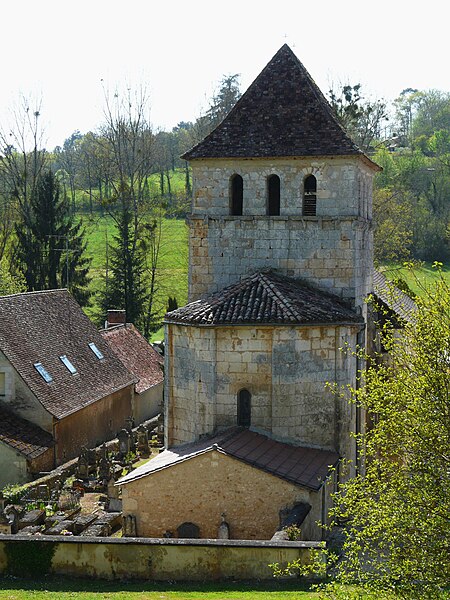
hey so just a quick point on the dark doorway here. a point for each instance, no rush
(244, 408)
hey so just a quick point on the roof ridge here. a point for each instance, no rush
(270, 285)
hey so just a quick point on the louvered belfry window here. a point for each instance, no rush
(310, 196)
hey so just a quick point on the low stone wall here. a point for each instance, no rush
(148, 558)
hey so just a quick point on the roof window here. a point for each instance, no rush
(66, 362)
(96, 351)
(43, 372)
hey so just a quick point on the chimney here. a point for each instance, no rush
(115, 317)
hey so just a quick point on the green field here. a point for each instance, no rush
(172, 269)
(419, 277)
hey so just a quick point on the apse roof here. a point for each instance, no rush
(265, 297)
(283, 113)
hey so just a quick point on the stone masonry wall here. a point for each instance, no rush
(333, 249)
(285, 369)
(199, 490)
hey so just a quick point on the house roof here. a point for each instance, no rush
(307, 467)
(23, 436)
(137, 355)
(283, 113)
(40, 327)
(265, 297)
(396, 300)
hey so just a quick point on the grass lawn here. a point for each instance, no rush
(417, 278)
(62, 589)
(172, 271)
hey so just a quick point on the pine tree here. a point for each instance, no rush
(125, 282)
(52, 247)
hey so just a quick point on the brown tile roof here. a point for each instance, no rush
(28, 439)
(137, 355)
(396, 300)
(307, 467)
(283, 113)
(265, 297)
(41, 327)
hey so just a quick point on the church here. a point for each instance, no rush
(280, 268)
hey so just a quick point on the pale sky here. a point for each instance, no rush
(61, 50)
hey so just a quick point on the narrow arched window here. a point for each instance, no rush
(244, 408)
(236, 195)
(310, 196)
(273, 195)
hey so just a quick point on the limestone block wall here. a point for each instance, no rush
(201, 489)
(333, 250)
(343, 185)
(285, 369)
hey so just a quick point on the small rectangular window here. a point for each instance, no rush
(95, 350)
(66, 362)
(2, 384)
(43, 372)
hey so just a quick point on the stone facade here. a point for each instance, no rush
(284, 368)
(201, 489)
(332, 250)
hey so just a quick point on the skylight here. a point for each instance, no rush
(95, 350)
(43, 372)
(68, 364)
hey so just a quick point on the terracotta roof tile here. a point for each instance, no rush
(137, 355)
(283, 113)
(41, 327)
(265, 297)
(23, 436)
(307, 467)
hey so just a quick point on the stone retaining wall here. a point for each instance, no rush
(151, 558)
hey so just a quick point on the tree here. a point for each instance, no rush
(395, 514)
(398, 511)
(361, 118)
(222, 101)
(51, 249)
(125, 285)
(128, 142)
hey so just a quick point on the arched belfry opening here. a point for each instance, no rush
(236, 195)
(244, 408)
(310, 196)
(273, 196)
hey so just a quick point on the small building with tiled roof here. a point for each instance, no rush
(25, 449)
(144, 362)
(239, 475)
(58, 373)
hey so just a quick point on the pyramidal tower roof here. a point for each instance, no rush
(283, 113)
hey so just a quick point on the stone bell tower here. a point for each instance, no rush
(280, 265)
(279, 185)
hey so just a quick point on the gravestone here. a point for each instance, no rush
(188, 530)
(104, 469)
(5, 525)
(124, 442)
(82, 467)
(129, 526)
(13, 517)
(223, 532)
(142, 441)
